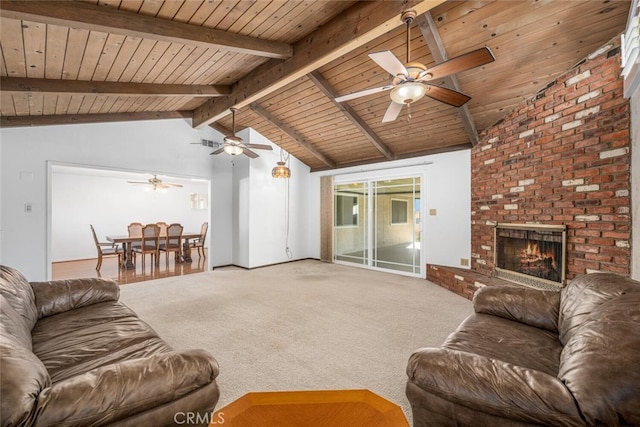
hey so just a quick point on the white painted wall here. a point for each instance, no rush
(261, 206)
(447, 188)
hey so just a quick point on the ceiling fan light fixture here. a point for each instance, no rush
(408, 92)
(233, 150)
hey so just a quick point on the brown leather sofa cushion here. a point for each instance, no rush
(497, 338)
(23, 377)
(600, 364)
(111, 332)
(582, 296)
(63, 295)
(13, 325)
(491, 386)
(19, 294)
(524, 305)
(115, 391)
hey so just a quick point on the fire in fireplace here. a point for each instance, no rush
(531, 254)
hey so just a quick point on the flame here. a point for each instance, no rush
(532, 253)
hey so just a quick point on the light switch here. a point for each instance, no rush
(27, 207)
(432, 212)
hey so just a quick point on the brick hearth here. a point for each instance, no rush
(461, 281)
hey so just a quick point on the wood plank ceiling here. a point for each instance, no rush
(283, 62)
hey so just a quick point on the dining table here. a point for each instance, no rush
(127, 246)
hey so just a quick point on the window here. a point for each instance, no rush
(399, 211)
(346, 211)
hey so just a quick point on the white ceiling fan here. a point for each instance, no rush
(156, 183)
(234, 145)
(411, 81)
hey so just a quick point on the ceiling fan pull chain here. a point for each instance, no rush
(409, 112)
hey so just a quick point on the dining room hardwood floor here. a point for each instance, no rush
(110, 270)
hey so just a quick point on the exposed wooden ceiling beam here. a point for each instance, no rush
(325, 87)
(67, 119)
(431, 35)
(353, 28)
(83, 15)
(60, 87)
(220, 128)
(301, 140)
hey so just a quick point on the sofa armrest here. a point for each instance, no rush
(492, 386)
(58, 296)
(113, 392)
(525, 305)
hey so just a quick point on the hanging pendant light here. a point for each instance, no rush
(281, 170)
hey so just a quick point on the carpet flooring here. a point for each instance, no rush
(302, 325)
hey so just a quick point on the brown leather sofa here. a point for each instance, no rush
(72, 354)
(529, 357)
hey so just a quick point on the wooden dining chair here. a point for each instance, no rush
(163, 231)
(150, 243)
(199, 242)
(173, 241)
(135, 230)
(105, 249)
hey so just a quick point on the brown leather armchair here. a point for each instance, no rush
(72, 354)
(530, 357)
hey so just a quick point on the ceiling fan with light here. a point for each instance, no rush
(411, 81)
(156, 183)
(234, 145)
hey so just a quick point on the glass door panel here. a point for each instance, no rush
(396, 224)
(351, 222)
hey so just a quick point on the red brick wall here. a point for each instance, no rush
(561, 158)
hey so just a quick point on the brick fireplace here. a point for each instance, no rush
(561, 158)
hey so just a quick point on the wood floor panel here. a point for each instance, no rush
(110, 270)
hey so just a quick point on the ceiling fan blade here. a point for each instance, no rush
(460, 63)
(393, 110)
(138, 182)
(365, 92)
(259, 146)
(218, 151)
(249, 153)
(446, 95)
(389, 62)
(168, 184)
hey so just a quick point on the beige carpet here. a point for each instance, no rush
(302, 325)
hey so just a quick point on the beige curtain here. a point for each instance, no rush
(326, 218)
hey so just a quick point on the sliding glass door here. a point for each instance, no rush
(351, 222)
(377, 224)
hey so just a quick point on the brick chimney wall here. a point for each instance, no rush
(561, 158)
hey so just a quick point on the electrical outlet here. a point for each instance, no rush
(433, 212)
(464, 262)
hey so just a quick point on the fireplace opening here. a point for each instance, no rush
(531, 254)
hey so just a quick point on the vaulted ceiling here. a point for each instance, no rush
(282, 63)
